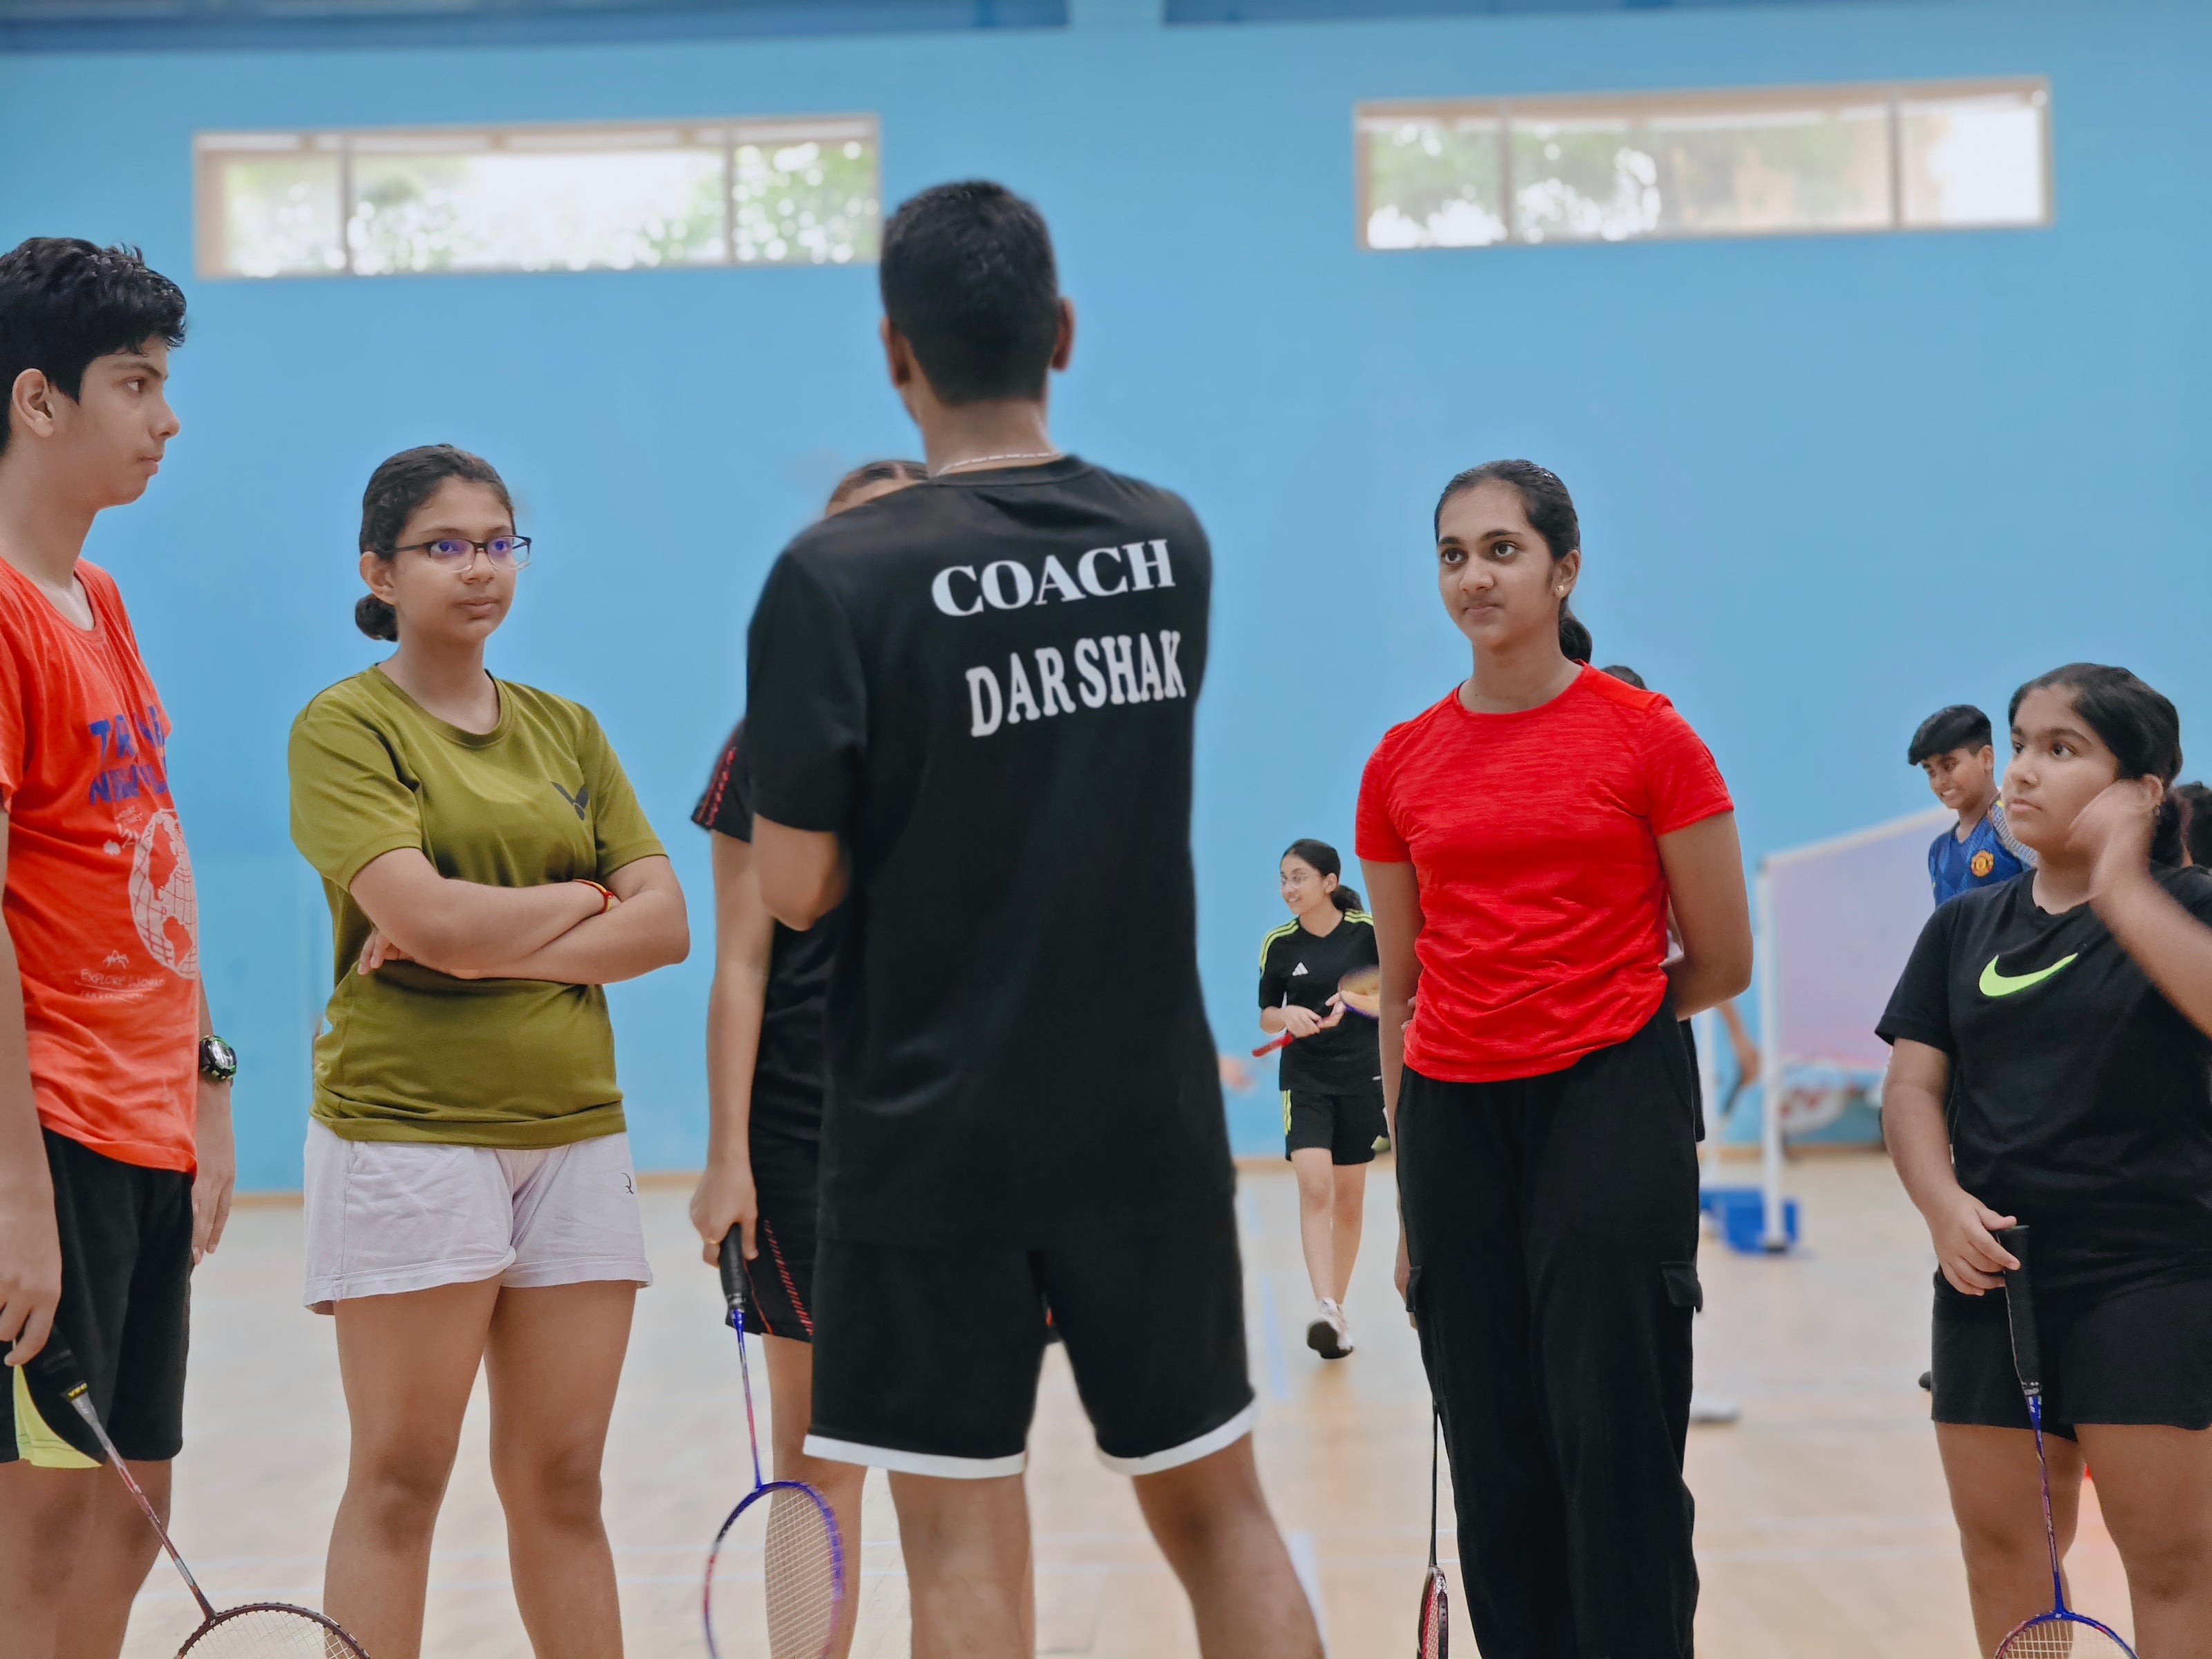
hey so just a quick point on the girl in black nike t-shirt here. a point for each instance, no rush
(1331, 1073)
(766, 1066)
(2053, 1069)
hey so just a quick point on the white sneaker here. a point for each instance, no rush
(1710, 1408)
(1329, 1334)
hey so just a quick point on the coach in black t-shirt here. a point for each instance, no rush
(970, 710)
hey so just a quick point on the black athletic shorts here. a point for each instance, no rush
(2135, 1356)
(788, 1180)
(1347, 1125)
(126, 1238)
(925, 1361)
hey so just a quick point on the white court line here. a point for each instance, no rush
(1271, 1341)
(1305, 1561)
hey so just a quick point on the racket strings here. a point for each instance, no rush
(268, 1632)
(803, 1575)
(2063, 1638)
(1436, 1603)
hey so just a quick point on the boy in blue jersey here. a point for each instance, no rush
(1953, 747)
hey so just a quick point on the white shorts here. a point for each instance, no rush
(387, 1215)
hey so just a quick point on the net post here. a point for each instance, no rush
(1772, 1234)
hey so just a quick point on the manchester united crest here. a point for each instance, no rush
(1982, 862)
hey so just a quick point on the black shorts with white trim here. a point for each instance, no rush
(926, 1359)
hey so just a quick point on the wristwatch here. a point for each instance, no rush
(218, 1059)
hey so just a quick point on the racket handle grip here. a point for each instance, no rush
(1282, 1042)
(56, 1365)
(733, 1269)
(2020, 1311)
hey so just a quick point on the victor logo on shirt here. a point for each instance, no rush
(1110, 669)
(1103, 573)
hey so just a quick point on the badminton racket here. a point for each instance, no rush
(777, 1570)
(1360, 990)
(1436, 1594)
(258, 1630)
(2061, 1633)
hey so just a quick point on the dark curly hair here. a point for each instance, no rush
(395, 490)
(1550, 512)
(64, 302)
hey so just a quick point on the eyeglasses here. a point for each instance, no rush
(459, 553)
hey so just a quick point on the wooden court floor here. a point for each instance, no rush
(1822, 1526)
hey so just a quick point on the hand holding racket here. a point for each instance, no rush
(1360, 991)
(258, 1630)
(778, 1564)
(2062, 1633)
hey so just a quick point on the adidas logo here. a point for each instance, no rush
(1296, 971)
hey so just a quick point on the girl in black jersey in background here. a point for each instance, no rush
(1331, 1074)
(765, 1066)
(2052, 1068)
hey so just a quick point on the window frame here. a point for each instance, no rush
(1370, 116)
(213, 149)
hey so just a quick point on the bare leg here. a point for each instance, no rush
(408, 1363)
(2156, 1487)
(1998, 1504)
(1212, 1521)
(968, 1569)
(118, 1551)
(1349, 1216)
(71, 1539)
(553, 1359)
(791, 1397)
(1316, 1211)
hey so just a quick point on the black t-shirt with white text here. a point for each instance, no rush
(984, 685)
(2080, 1099)
(1302, 968)
(787, 1072)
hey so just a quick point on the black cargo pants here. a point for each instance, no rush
(1553, 1227)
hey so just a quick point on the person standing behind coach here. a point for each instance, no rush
(1521, 842)
(982, 688)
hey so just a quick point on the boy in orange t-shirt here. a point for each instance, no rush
(116, 1159)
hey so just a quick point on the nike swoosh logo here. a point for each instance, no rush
(1995, 984)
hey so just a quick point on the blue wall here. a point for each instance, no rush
(1827, 484)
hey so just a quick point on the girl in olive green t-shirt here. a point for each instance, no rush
(470, 1199)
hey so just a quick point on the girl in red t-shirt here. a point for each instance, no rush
(1522, 841)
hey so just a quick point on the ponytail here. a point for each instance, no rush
(1575, 642)
(1346, 898)
(375, 618)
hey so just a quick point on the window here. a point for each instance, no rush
(383, 203)
(1739, 163)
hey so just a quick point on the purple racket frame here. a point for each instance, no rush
(2027, 1360)
(733, 1291)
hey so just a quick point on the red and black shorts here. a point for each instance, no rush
(787, 1179)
